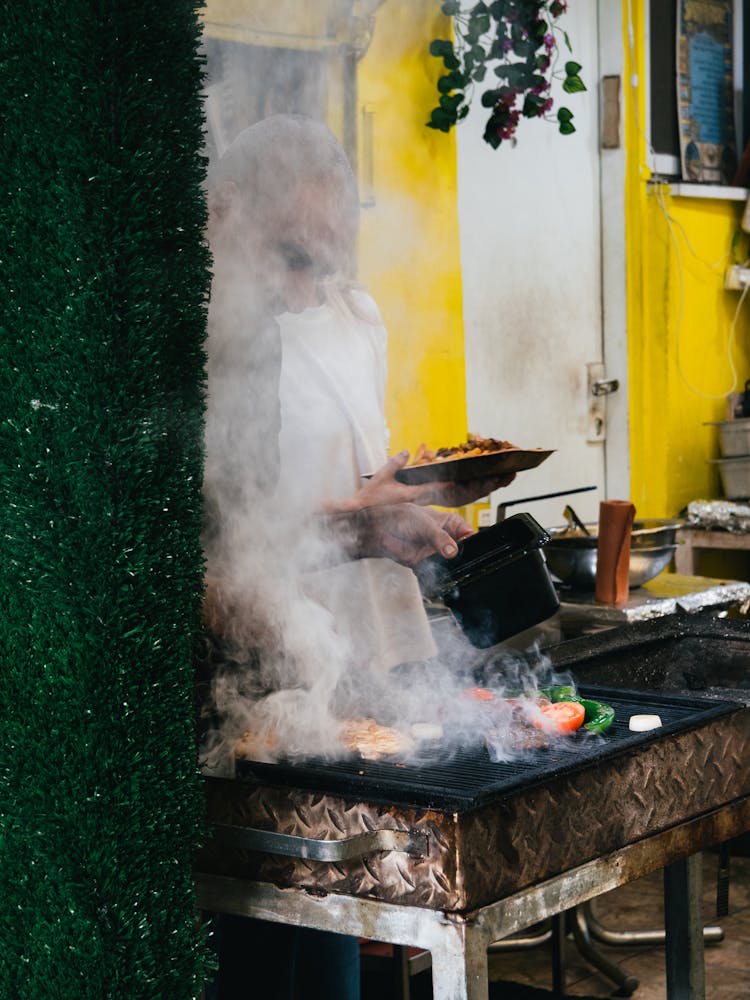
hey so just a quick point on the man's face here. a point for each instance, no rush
(299, 245)
(279, 250)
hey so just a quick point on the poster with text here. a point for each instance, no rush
(705, 97)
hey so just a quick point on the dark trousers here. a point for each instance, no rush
(259, 960)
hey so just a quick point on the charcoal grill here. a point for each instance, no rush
(453, 855)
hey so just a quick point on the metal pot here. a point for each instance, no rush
(572, 557)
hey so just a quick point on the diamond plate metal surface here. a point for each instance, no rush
(478, 857)
(586, 814)
(428, 881)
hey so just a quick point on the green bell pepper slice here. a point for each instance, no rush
(599, 715)
(561, 692)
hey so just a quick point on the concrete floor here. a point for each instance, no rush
(637, 906)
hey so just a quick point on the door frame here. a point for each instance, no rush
(614, 256)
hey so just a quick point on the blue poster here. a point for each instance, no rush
(705, 93)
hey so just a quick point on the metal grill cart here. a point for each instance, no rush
(453, 855)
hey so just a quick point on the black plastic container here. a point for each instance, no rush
(498, 584)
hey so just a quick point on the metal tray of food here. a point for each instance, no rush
(468, 467)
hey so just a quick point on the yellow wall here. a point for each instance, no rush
(679, 324)
(409, 249)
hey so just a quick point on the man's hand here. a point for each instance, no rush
(408, 533)
(384, 489)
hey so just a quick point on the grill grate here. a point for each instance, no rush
(468, 778)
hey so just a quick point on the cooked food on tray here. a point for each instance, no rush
(254, 747)
(562, 716)
(426, 731)
(597, 715)
(473, 446)
(476, 458)
(643, 723)
(372, 741)
(521, 720)
(556, 711)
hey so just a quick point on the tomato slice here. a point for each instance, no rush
(564, 716)
(479, 694)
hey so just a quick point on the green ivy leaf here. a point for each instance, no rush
(496, 49)
(516, 74)
(451, 82)
(450, 103)
(479, 73)
(490, 97)
(451, 7)
(567, 41)
(440, 119)
(567, 128)
(533, 106)
(573, 85)
(564, 114)
(441, 47)
(572, 68)
(491, 136)
(481, 22)
(472, 34)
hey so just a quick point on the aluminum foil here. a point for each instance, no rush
(724, 514)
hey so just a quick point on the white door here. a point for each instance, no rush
(538, 285)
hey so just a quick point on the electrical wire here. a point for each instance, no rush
(681, 310)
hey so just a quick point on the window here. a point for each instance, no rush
(662, 111)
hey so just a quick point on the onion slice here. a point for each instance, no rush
(642, 723)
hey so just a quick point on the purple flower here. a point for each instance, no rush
(509, 126)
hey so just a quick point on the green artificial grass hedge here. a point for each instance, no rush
(104, 281)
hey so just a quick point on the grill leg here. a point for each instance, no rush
(627, 984)
(459, 970)
(684, 930)
(520, 942)
(712, 934)
(401, 982)
(558, 954)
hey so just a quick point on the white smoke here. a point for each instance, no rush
(285, 673)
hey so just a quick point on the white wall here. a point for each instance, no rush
(531, 260)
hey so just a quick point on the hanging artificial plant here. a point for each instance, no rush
(519, 40)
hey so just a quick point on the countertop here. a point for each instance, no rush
(666, 594)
